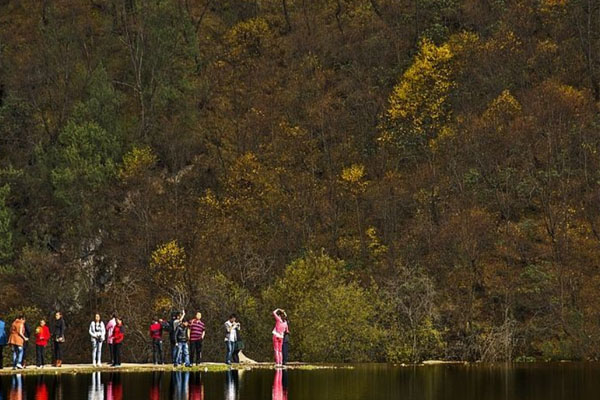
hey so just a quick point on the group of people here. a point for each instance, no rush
(19, 336)
(185, 337)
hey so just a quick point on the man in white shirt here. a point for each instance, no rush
(231, 327)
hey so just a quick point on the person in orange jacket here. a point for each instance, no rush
(42, 336)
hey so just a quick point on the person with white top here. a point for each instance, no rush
(98, 335)
(231, 327)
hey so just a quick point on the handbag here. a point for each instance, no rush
(239, 345)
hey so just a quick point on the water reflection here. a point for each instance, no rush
(156, 385)
(196, 387)
(114, 387)
(96, 389)
(179, 385)
(280, 385)
(232, 382)
(41, 390)
(16, 388)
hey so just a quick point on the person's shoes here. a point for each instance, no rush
(188, 366)
(19, 366)
(59, 363)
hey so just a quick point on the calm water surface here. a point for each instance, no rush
(373, 382)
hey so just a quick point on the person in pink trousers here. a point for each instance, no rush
(281, 327)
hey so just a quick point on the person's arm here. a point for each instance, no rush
(91, 331)
(277, 317)
(228, 326)
(22, 333)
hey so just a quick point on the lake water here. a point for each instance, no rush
(372, 382)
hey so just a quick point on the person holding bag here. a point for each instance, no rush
(98, 335)
(42, 336)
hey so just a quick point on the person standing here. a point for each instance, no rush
(231, 326)
(58, 338)
(176, 320)
(26, 344)
(278, 334)
(3, 341)
(118, 337)
(16, 340)
(182, 335)
(42, 336)
(97, 333)
(197, 333)
(110, 325)
(285, 348)
(156, 334)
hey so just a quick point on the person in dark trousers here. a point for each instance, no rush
(42, 335)
(156, 335)
(196, 338)
(26, 344)
(285, 348)
(118, 337)
(110, 325)
(3, 341)
(58, 339)
(238, 345)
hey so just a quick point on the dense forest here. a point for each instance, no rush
(409, 179)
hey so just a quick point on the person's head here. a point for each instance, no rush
(58, 315)
(185, 323)
(232, 318)
(114, 316)
(42, 322)
(21, 317)
(198, 315)
(119, 321)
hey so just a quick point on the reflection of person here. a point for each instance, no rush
(179, 385)
(280, 385)
(97, 333)
(278, 333)
(196, 387)
(156, 384)
(42, 335)
(96, 390)
(231, 330)
(231, 384)
(41, 390)
(114, 388)
(16, 388)
(59, 338)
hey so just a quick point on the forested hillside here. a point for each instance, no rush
(408, 178)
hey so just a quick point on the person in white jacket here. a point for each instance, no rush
(98, 335)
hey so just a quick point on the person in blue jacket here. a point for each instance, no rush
(3, 340)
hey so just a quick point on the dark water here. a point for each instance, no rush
(373, 382)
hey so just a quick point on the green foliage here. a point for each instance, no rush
(332, 317)
(6, 234)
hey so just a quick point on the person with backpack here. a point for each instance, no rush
(197, 333)
(278, 334)
(182, 335)
(42, 336)
(110, 325)
(58, 338)
(97, 333)
(118, 335)
(156, 335)
(17, 339)
(3, 341)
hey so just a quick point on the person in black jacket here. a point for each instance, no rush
(58, 338)
(25, 345)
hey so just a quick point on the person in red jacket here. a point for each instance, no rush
(42, 336)
(156, 334)
(118, 335)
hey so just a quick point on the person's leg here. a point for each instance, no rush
(118, 353)
(24, 355)
(154, 351)
(161, 355)
(177, 354)
(99, 354)
(111, 352)
(174, 352)
(20, 356)
(38, 356)
(186, 355)
(14, 356)
(284, 352)
(94, 349)
(1, 357)
(199, 349)
(43, 356)
(59, 354)
(229, 353)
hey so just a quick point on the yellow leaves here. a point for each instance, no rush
(137, 161)
(375, 246)
(168, 261)
(248, 37)
(353, 176)
(503, 108)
